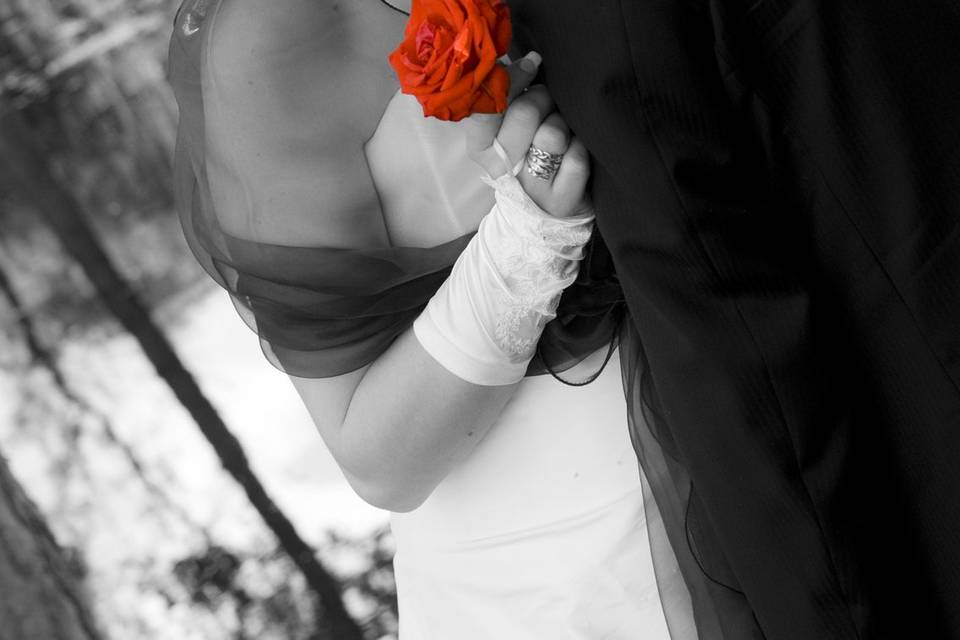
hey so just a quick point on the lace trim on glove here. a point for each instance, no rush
(536, 258)
(484, 323)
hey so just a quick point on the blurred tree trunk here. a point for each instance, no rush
(96, 92)
(87, 126)
(27, 173)
(41, 595)
(89, 78)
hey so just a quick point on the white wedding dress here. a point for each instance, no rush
(540, 533)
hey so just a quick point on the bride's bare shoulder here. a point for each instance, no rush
(256, 32)
(305, 53)
(292, 89)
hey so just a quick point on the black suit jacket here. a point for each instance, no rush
(778, 182)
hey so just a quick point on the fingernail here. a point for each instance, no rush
(531, 61)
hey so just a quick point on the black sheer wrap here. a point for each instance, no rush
(324, 311)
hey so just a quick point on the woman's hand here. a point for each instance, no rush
(562, 193)
(531, 120)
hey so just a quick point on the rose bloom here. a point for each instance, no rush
(448, 57)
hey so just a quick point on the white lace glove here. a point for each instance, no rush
(484, 322)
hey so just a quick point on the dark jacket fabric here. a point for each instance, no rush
(778, 182)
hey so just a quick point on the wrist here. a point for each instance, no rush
(484, 323)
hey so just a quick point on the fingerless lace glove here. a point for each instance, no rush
(484, 322)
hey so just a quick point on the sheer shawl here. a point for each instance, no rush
(305, 255)
(312, 270)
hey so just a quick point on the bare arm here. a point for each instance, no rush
(402, 424)
(397, 427)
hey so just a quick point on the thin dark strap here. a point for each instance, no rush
(610, 349)
(394, 8)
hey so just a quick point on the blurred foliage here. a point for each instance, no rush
(249, 590)
(88, 77)
(371, 585)
(224, 580)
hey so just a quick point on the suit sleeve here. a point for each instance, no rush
(777, 182)
(714, 255)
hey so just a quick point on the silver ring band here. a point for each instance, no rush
(543, 164)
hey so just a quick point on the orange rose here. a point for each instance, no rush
(448, 57)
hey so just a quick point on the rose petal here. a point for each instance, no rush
(448, 58)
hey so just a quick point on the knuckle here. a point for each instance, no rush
(526, 112)
(577, 160)
(539, 93)
(535, 98)
(552, 137)
(577, 164)
(556, 120)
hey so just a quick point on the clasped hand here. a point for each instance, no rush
(531, 120)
